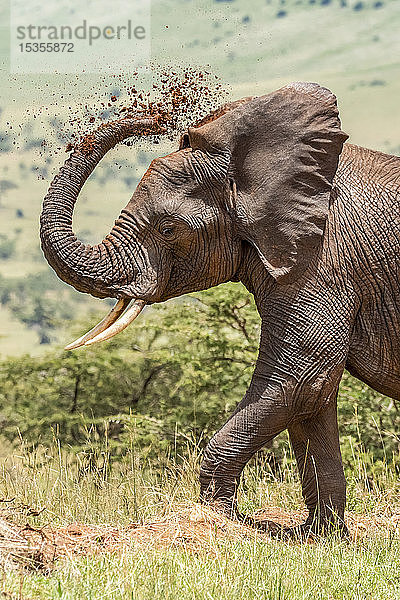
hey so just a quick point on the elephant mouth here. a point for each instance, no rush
(147, 289)
(118, 319)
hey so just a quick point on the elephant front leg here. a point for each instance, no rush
(315, 443)
(259, 417)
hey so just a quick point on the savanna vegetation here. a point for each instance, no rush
(176, 375)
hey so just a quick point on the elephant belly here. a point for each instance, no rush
(374, 355)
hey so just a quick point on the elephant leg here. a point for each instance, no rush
(264, 412)
(294, 386)
(259, 417)
(315, 442)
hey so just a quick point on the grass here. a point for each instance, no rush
(253, 567)
(246, 569)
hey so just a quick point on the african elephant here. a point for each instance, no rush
(262, 191)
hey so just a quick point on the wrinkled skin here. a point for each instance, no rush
(263, 192)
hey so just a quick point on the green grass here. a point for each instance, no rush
(254, 568)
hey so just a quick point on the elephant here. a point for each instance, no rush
(265, 191)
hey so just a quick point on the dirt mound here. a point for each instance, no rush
(193, 527)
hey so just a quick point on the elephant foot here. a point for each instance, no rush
(312, 530)
(321, 522)
(309, 531)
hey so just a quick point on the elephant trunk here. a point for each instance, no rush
(100, 269)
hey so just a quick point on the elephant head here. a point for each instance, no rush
(257, 171)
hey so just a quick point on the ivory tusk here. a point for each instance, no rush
(119, 325)
(108, 320)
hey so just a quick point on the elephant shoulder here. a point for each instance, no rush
(369, 167)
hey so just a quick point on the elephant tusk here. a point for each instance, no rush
(119, 325)
(108, 320)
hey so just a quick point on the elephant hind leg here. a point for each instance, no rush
(315, 442)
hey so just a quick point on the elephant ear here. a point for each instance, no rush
(284, 150)
(215, 114)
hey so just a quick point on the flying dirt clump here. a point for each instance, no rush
(75, 107)
(175, 97)
(176, 100)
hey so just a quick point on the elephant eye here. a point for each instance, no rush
(167, 230)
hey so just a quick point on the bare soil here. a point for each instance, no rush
(193, 527)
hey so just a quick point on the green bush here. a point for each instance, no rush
(7, 246)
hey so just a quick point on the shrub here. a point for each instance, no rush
(7, 247)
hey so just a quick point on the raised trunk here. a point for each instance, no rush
(101, 269)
